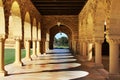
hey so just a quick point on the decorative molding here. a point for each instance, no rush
(17, 37)
(3, 36)
(113, 38)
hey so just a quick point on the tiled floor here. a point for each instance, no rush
(56, 65)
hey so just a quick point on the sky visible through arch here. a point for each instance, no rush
(59, 35)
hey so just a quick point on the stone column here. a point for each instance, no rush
(42, 49)
(84, 51)
(38, 48)
(2, 70)
(70, 44)
(18, 61)
(90, 45)
(51, 45)
(81, 48)
(114, 57)
(28, 57)
(34, 54)
(74, 47)
(46, 46)
(98, 52)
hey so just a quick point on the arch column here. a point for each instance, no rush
(38, 48)
(70, 44)
(42, 44)
(28, 57)
(90, 46)
(74, 47)
(98, 53)
(34, 54)
(46, 46)
(84, 48)
(18, 61)
(2, 69)
(114, 57)
(114, 60)
(81, 47)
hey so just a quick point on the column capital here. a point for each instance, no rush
(90, 41)
(2, 39)
(2, 36)
(18, 38)
(34, 40)
(38, 40)
(99, 41)
(82, 40)
(113, 39)
(27, 40)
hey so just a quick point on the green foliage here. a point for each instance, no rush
(61, 42)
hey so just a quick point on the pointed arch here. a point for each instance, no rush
(2, 20)
(27, 27)
(15, 22)
(34, 29)
(55, 29)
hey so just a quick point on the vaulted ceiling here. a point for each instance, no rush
(59, 7)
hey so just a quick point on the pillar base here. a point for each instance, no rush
(34, 56)
(3, 73)
(27, 59)
(38, 54)
(82, 58)
(44, 54)
(93, 65)
(18, 64)
(99, 66)
(114, 77)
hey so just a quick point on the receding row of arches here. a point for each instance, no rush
(19, 27)
(98, 34)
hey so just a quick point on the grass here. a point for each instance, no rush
(61, 47)
(10, 55)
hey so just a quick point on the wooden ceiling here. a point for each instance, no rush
(59, 7)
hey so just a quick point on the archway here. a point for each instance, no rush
(15, 22)
(15, 31)
(61, 40)
(27, 27)
(27, 35)
(34, 37)
(56, 29)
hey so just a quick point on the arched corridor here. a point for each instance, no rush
(28, 28)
